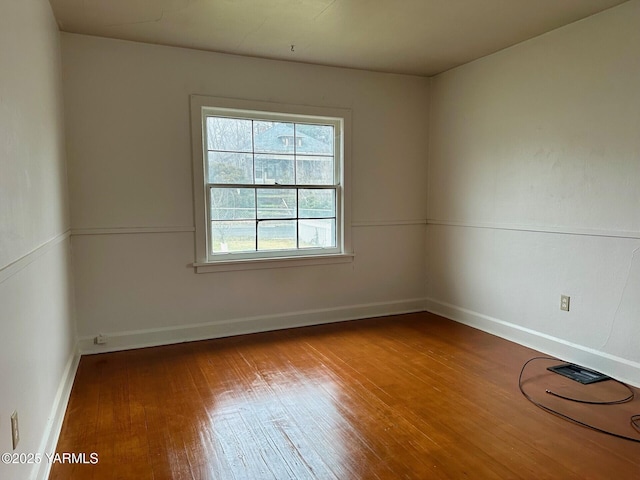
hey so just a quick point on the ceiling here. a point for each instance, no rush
(420, 37)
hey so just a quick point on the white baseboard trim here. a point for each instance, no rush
(117, 341)
(54, 423)
(622, 369)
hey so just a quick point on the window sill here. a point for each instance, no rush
(262, 263)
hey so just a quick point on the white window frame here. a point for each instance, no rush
(205, 261)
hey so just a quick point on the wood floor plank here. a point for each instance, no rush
(410, 396)
(306, 398)
(450, 446)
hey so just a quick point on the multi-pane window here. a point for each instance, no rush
(273, 184)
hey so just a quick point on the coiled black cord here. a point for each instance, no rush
(635, 419)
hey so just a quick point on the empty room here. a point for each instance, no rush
(319, 239)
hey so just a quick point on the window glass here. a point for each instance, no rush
(272, 184)
(229, 134)
(227, 167)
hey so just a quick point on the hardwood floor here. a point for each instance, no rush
(411, 396)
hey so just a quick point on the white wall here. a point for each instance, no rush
(37, 334)
(128, 134)
(534, 192)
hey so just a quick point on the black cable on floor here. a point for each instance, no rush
(635, 419)
(635, 422)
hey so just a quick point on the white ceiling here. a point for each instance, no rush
(421, 37)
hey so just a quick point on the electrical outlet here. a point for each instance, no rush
(564, 302)
(100, 339)
(15, 432)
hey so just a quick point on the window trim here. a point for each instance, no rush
(203, 261)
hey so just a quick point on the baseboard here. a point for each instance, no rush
(622, 369)
(117, 341)
(54, 423)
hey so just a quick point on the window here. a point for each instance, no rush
(270, 183)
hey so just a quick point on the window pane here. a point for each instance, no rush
(276, 203)
(229, 134)
(233, 204)
(273, 137)
(273, 169)
(316, 203)
(225, 167)
(317, 233)
(314, 139)
(233, 236)
(312, 170)
(276, 235)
